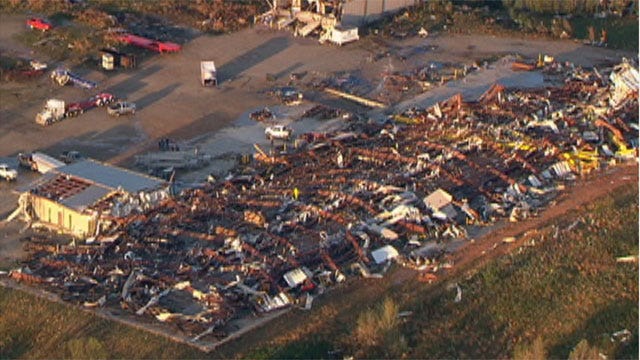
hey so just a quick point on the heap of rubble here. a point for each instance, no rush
(293, 224)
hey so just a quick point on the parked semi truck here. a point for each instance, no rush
(39, 162)
(57, 110)
(63, 76)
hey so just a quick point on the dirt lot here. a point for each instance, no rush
(172, 102)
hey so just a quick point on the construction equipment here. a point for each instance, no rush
(56, 110)
(62, 77)
(623, 152)
(582, 161)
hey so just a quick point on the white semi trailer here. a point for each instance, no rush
(208, 75)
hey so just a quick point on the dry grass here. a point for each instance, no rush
(34, 328)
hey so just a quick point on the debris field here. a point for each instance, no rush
(296, 221)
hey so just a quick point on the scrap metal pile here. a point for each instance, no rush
(280, 232)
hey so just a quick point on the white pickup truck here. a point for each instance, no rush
(8, 173)
(278, 132)
(121, 108)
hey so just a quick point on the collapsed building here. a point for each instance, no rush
(83, 197)
(288, 226)
(336, 21)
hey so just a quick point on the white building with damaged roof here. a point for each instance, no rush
(83, 197)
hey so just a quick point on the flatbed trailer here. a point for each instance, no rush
(149, 44)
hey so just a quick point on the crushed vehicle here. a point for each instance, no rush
(8, 173)
(261, 115)
(121, 108)
(288, 95)
(279, 132)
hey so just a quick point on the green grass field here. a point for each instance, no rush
(36, 328)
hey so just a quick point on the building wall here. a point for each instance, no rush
(362, 12)
(62, 217)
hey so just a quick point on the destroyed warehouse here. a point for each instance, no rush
(336, 21)
(80, 198)
(283, 228)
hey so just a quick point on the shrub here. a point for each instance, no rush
(86, 348)
(535, 351)
(584, 351)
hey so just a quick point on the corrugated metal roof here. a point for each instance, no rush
(44, 178)
(86, 198)
(111, 176)
(438, 199)
(295, 277)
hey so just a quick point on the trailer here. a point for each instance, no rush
(208, 76)
(62, 76)
(112, 59)
(39, 162)
(149, 44)
(57, 110)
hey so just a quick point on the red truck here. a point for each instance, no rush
(39, 23)
(153, 45)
